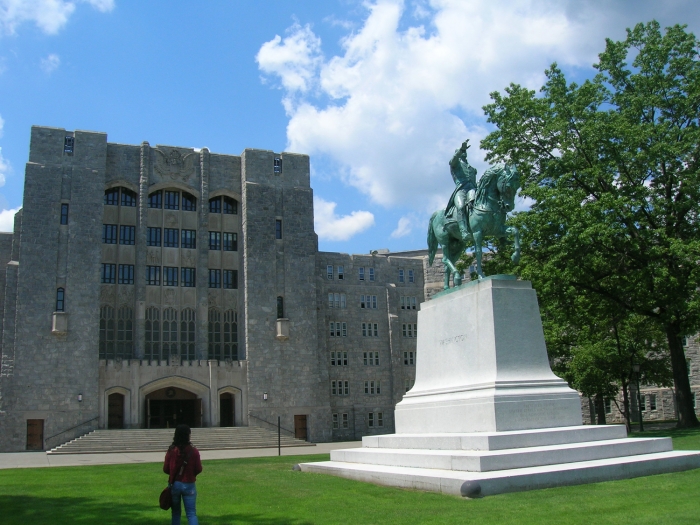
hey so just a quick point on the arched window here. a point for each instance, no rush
(214, 340)
(189, 202)
(125, 333)
(280, 307)
(107, 332)
(230, 335)
(112, 197)
(60, 300)
(153, 334)
(187, 334)
(170, 333)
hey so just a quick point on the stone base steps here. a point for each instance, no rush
(157, 440)
(487, 463)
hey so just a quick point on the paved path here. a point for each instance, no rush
(41, 459)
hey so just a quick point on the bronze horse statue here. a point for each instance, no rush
(495, 197)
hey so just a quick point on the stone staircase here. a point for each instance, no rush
(158, 440)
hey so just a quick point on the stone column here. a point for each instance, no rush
(140, 266)
(203, 257)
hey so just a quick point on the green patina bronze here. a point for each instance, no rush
(474, 211)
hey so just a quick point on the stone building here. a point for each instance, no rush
(147, 286)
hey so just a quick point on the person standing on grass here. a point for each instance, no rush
(182, 464)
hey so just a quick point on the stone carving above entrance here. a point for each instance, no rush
(173, 165)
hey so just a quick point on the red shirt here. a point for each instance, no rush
(174, 459)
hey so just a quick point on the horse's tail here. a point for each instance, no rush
(432, 240)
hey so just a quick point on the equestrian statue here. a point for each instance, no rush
(474, 211)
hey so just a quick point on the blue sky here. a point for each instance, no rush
(379, 92)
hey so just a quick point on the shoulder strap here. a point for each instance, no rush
(179, 471)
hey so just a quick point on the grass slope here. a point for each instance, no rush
(265, 491)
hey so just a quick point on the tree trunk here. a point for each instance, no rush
(600, 409)
(626, 404)
(591, 410)
(684, 396)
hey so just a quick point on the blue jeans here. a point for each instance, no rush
(188, 493)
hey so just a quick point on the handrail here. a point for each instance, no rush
(273, 424)
(71, 428)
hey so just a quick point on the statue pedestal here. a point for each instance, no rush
(482, 364)
(487, 415)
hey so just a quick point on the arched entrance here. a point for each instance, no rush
(226, 410)
(115, 410)
(171, 406)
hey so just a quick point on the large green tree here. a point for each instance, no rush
(612, 167)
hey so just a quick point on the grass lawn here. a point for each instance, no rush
(265, 491)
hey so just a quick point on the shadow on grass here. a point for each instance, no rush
(24, 510)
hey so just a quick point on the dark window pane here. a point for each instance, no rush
(155, 199)
(230, 206)
(214, 278)
(60, 300)
(112, 197)
(127, 234)
(172, 200)
(169, 276)
(153, 236)
(231, 279)
(280, 307)
(128, 198)
(215, 205)
(64, 213)
(153, 275)
(278, 229)
(109, 233)
(214, 240)
(126, 274)
(188, 278)
(68, 145)
(189, 239)
(230, 242)
(189, 202)
(171, 237)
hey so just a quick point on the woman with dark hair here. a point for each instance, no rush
(182, 464)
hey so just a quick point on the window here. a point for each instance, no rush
(329, 272)
(112, 197)
(278, 229)
(278, 165)
(339, 359)
(126, 274)
(362, 274)
(230, 335)
(369, 330)
(60, 300)
(187, 277)
(107, 335)
(380, 419)
(372, 387)
(401, 279)
(214, 278)
(370, 419)
(371, 274)
(119, 343)
(408, 303)
(125, 332)
(189, 202)
(189, 239)
(368, 301)
(340, 388)
(153, 275)
(127, 234)
(155, 199)
(336, 300)
(68, 144)
(652, 401)
(171, 200)
(410, 276)
(170, 332)
(345, 420)
(152, 340)
(171, 237)
(338, 329)
(341, 272)
(409, 358)
(109, 233)
(128, 198)
(169, 276)
(214, 240)
(108, 274)
(643, 403)
(153, 236)
(410, 329)
(187, 334)
(335, 421)
(408, 384)
(608, 406)
(280, 307)
(684, 341)
(215, 205)
(231, 279)
(230, 242)
(371, 358)
(64, 213)
(230, 206)
(214, 341)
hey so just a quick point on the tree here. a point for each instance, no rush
(613, 168)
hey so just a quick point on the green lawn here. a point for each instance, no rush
(265, 491)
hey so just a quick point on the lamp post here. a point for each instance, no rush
(637, 367)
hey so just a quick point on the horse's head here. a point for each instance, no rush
(508, 184)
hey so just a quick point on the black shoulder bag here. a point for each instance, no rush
(166, 497)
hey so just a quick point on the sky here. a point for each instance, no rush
(379, 93)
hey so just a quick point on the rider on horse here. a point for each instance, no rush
(463, 196)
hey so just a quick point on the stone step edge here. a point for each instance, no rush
(54, 452)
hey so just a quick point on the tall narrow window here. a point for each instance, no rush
(401, 276)
(170, 333)
(278, 165)
(371, 274)
(153, 236)
(215, 205)
(170, 237)
(153, 275)
(214, 278)
(169, 277)
(171, 200)
(329, 272)
(109, 233)
(60, 300)
(153, 334)
(187, 334)
(280, 307)
(411, 278)
(230, 206)
(189, 239)
(189, 202)
(214, 240)
(64, 213)
(108, 273)
(155, 199)
(230, 242)
(278, 229)
(362, 274)
(230, 335)
(106, 344)
(214, 342)
(126, 274)
(68, 145)
(188, 277)
(341, 273)
(125, 333)
(231, 279)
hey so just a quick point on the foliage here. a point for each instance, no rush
(613, 168)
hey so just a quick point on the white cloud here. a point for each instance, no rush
(410, 82)
(403, 228)
(7, 220)
(331, 227)
(50, 63)
(49, 15)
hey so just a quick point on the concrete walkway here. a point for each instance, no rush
(41, 459)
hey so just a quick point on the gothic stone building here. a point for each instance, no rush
(146, 286)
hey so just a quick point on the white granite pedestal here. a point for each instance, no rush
(487, 415)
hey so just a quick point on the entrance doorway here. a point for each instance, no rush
(115, 411)
(35, 434)
(300, 427)
(170, 407)
(226, 410)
